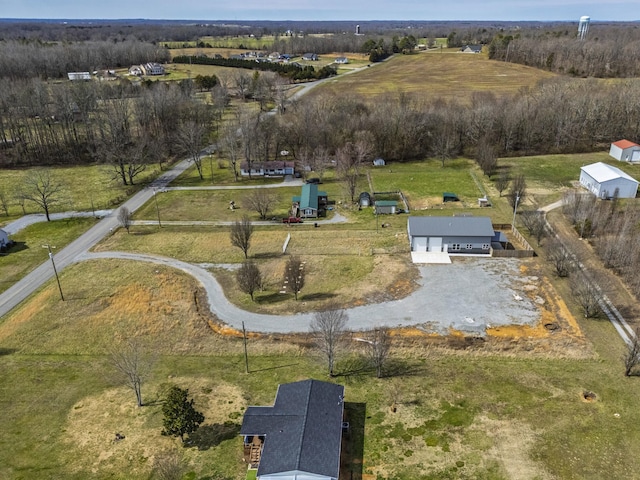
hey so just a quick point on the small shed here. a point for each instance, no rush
(625, 151)
(379, 162)
(449, 197)
(385, 207)
(605, 180)
(365, 199)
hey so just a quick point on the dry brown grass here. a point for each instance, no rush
(93, 422)
(432, 75)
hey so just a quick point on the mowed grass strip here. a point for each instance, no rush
(28, 253)
(434, 75)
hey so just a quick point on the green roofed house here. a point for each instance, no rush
(311, 203)
(383, 207)
(300, 436)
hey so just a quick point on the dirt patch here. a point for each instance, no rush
(512, 444)
(93, 422)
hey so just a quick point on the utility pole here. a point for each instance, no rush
(48, 247)
(246, 357)
(515, 210)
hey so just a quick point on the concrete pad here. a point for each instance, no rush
(430, 257)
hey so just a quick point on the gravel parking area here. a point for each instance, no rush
(472, 294)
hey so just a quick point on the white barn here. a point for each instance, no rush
(603, 180)
(625, 151)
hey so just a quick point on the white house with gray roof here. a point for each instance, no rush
(299, 437)
(604, 180)
(452, 235)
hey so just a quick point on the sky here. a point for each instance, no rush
(355, 10)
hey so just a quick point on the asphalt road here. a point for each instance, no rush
(19, 292)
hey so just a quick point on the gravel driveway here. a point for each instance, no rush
(467, 295)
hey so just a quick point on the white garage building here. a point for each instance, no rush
(453, 235)
(625, 151)
(603, 180)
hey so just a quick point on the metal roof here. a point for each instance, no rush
(303, 429)
(625, 144)
(450, 227)
(386, 203)
(602, 172)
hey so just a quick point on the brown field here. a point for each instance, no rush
(434, 75)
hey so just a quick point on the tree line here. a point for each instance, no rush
(36, 59)
(113, 123)
(605, 53)
(290, 70)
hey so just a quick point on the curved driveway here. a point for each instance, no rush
(427, 306)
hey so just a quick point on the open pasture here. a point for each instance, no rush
(434, 75)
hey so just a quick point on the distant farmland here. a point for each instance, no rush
(447, 75)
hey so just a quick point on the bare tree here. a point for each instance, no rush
(328, 330)
(230, 144)
(486, 157)
(241, 232)
(632, 355)
(378, 347)
(133, 365)
(444, 143)
(261, 200)
(503, 181)
(350, 158)
(517, 191)
(40, 187)
(535, 223)
(191, 139)
(294, 275)
(560, 258)
(124, 217)
(586, 294)
(249, 278)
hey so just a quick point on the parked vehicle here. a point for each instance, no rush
(291, 220)
(313, 180)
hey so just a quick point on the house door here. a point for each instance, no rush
(419, 244)
(435, 244)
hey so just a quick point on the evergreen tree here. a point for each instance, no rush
(180, 416)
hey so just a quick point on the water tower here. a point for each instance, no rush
(583, 27)
(357, 29)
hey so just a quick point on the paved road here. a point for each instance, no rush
(17, 293)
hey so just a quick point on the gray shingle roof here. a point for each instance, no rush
(303, 429)
(450, 227)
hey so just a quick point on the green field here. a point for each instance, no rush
(83, 188)
(457, 415)
(28, 253)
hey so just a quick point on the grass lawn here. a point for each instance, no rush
(442, 414)
(28, 252)
(557, 171)
(84, 187)
(437, 75)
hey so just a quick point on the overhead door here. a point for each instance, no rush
(435, 244)
(419, 244)
(635, 156)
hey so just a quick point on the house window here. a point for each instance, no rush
(469, 246)
(455, 246)
(485, 246)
